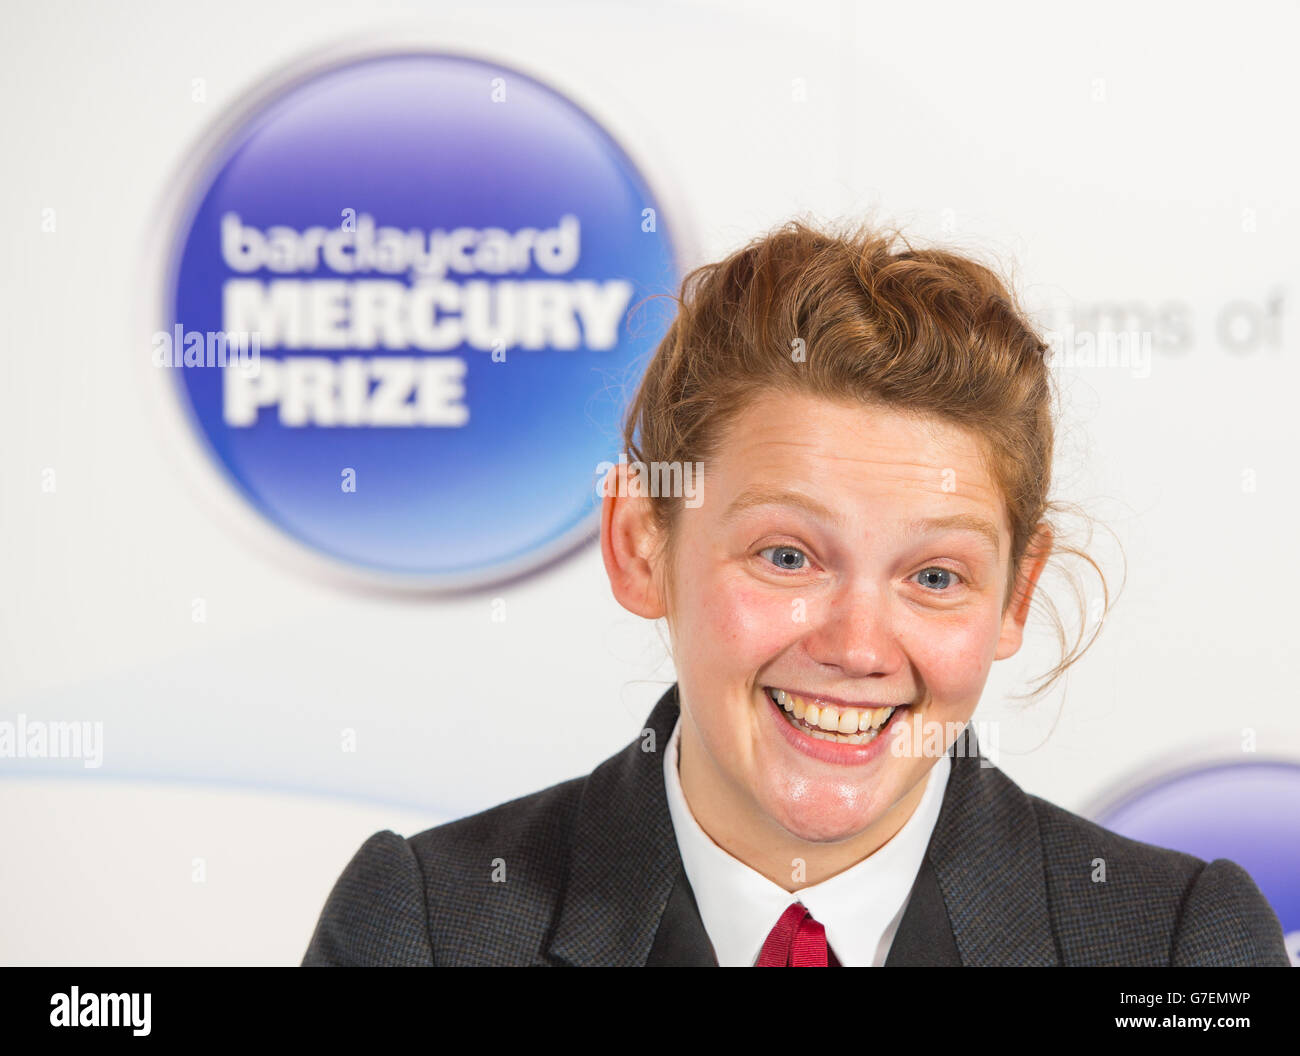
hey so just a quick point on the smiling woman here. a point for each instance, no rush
(875, 430)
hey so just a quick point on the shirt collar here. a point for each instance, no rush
(860, 908)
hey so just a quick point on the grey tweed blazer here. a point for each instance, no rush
(587, 872)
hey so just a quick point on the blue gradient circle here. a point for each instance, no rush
(1248, 813)
(429, 142)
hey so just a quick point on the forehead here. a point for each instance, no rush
(852, 457)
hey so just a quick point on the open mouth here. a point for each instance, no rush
(832, 722)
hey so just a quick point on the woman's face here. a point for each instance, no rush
(843, 559)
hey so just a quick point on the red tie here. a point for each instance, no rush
(797, 941)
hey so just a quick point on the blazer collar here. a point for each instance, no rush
(980, 897)
(624, 861)
(987, 864)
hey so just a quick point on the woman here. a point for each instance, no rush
(875, 432)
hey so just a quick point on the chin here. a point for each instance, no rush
(822, 822)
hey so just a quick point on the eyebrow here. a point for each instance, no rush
(767, 496)
(960, 522)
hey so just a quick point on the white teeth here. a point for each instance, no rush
(829, 723)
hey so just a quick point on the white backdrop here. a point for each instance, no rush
(1118, 159)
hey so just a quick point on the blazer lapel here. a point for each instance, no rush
(681, 941)
(924, 938)
(624, 866)
(982, 880)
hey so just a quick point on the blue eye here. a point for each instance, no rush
(786, 557)
(939, 571)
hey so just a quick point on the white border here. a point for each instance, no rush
(178, 434)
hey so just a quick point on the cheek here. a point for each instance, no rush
(747, 624)
(954, 658)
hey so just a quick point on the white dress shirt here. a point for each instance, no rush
(860, 908)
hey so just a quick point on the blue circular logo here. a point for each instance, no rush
(1248, 813)
(407, 305)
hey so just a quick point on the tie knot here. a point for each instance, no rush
(797, 940)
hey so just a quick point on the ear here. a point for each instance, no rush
(1031, 567)
(627, 545)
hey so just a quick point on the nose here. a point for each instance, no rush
(853, 631)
